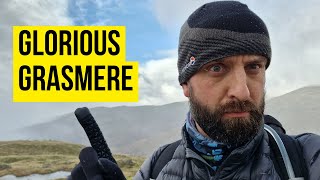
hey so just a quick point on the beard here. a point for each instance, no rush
(233, 132)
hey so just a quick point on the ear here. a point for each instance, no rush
(185, 89)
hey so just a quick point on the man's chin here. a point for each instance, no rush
(235, 131)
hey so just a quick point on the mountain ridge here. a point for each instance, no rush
(139, 130)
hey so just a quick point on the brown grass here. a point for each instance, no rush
(22, 158)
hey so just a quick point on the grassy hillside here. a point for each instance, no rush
(22, 158)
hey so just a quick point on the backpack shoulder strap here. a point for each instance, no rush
(294, 150)
(294, 153)
(164, 157)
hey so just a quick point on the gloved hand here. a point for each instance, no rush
(93, 168)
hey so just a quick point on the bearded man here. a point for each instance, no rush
(224, 52)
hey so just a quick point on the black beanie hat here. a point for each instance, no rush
(217, 30)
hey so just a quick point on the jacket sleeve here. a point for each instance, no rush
(310, 144)
(145, 170)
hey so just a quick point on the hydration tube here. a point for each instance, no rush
(283, 152)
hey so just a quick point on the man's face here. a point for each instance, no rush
(227, 98)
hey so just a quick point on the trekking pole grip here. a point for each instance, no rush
(94, 133)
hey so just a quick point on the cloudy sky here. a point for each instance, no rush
(152, 36)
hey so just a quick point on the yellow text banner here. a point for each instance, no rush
(72, 64)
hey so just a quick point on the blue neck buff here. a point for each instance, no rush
(212, 151)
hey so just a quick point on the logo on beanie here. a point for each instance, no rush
(192, 59)
(190, 63)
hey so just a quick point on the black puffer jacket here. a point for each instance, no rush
(251, 161)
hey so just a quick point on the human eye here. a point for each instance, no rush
(254, 68)
(216, 69)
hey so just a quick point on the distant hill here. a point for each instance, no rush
(140, 130)
(130, 130)
(298, 111)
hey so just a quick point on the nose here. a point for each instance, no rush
(238, 86)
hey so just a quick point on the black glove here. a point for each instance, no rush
(93, 168)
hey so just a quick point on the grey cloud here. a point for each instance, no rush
(159, 82)
(172, 14)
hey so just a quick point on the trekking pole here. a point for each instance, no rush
(94, 133)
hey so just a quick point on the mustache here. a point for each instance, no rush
(237, 106)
